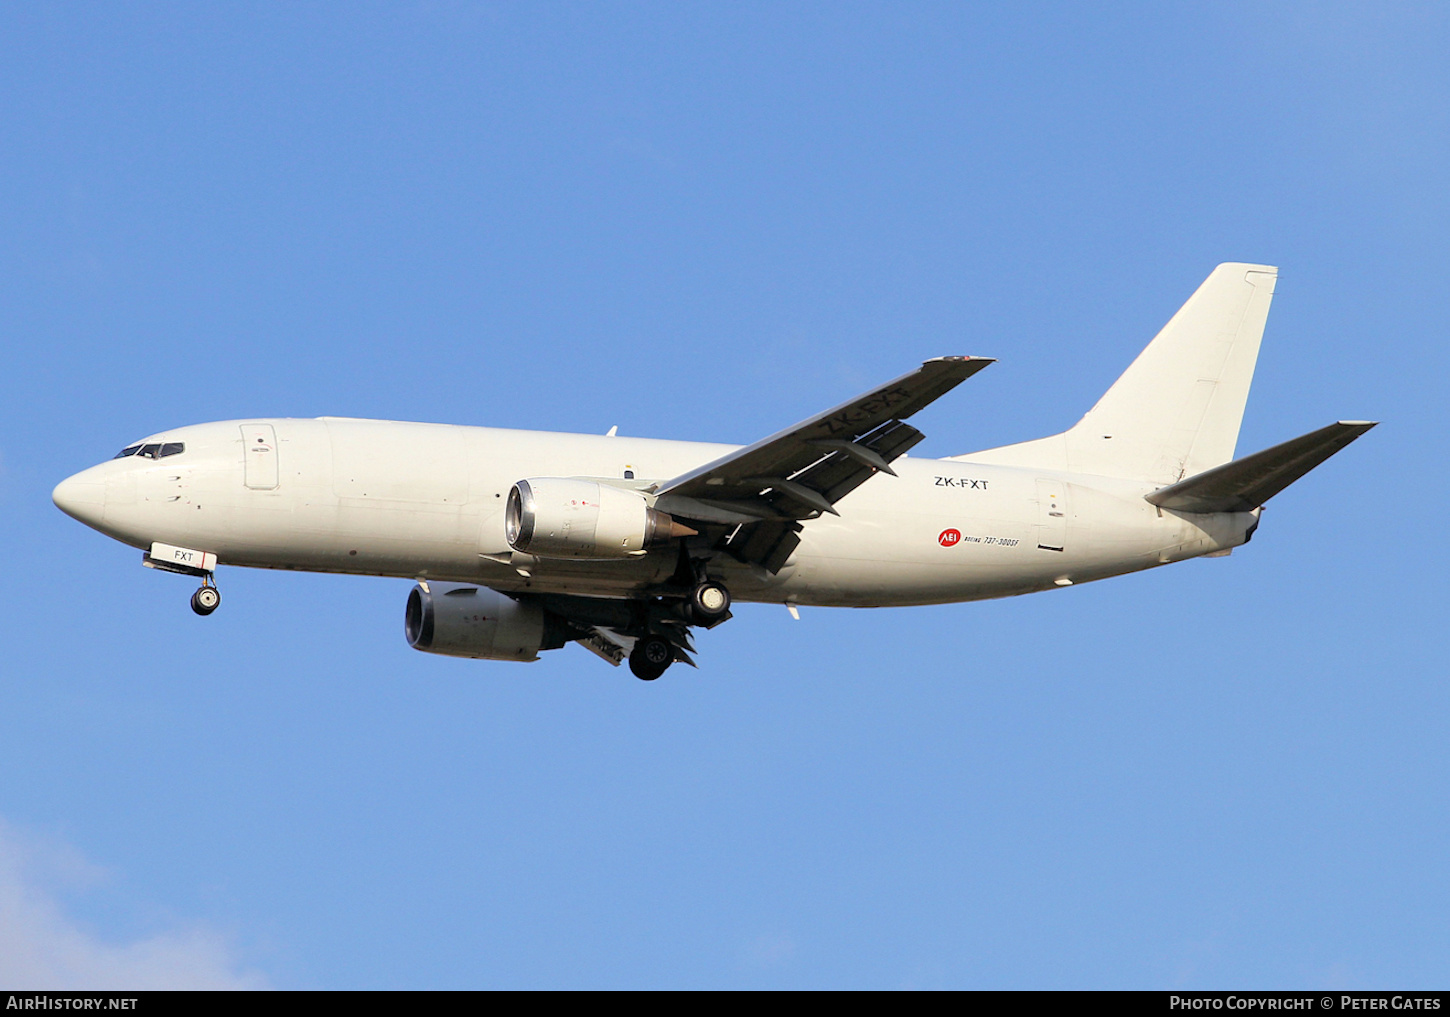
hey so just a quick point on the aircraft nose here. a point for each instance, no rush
(81, 497)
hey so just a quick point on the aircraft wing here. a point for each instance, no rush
(762, 491)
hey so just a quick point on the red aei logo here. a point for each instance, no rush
(949, 537)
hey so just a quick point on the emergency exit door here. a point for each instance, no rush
(259, 456)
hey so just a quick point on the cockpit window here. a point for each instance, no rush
(154, 450)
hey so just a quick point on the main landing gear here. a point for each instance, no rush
(707, 605)
(207, 599)
(651, 656)
(653, 629)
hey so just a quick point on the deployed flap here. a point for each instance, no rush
(1245, 484)
(800, 473)
(608, 645)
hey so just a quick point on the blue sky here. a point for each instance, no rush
(708, 221)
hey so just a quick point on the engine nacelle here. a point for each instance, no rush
(554, 517)
(474, 621)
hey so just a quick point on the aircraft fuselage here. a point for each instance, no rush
(427, 501)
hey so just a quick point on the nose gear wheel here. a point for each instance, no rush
(207, 599)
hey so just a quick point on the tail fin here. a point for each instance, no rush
(1176, 410)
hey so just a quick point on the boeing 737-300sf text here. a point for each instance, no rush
(522, 541)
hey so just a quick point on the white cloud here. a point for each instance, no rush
(41, 947)
(770, 950)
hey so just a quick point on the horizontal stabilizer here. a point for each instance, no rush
(1245, 484)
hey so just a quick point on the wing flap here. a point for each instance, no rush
(1245, 484)
(762, 490)
(852, 463)
(787, 452)
(768, 544)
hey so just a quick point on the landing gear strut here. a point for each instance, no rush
(207, 599)
(651, 657)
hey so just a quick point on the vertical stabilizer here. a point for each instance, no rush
(1176, 410)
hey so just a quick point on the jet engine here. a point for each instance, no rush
(554, 517)
(474, 621)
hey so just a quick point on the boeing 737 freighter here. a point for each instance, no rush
(522, 541)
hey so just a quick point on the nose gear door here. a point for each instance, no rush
(259, 456)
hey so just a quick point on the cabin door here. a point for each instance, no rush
(1051, 515)
(259, 456)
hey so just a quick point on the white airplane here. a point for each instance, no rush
(522, 541)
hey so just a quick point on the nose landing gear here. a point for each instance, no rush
(207, 599)
(188, 561)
